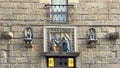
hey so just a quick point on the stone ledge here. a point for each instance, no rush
(7, 35)
(71, 54)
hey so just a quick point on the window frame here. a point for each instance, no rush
(51, 15)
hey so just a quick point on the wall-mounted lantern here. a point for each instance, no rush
(28, 36)
(112, 36)
(91, 37)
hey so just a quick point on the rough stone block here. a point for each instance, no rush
(5, 65)
(97, 1)
(22, 60)
(3, 60)
(75, 17)
(85, 11)
(24, 5)
(114, 5)
(103, 17)
(17, 41)
(12, 60)
(4, 0)
(45, 1)
(25, 1)
(115, 47)
(29, 17)
(38, 35)
(96, 5)
(18, 35)
(36, 29)
(16, 53)
(112, 29)
(118, 54)
(7, 5)
(37, 65)
(102, 42)
(114, 17)
(3, 54)
(103, 54)
(20, 11)
(88, 60)
(104, 60)
(38, 47)
(89, 17)
(115, 60)
(101, 35)
(6, 47)
(12, 66)
(73, 1)
(117, 41)
(37, 41)
(82, 35)
(18, 28)
(41, 5)
(5, 11)
(115, 65)
(105, 29)
(115, 11)
(8, 17)
(19, 48)
(85, 65)
(105, 66)
(103, 47)
(88, 54)
(81, 42)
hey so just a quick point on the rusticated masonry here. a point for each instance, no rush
(16, 15)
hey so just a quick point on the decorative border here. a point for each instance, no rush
(59, 29)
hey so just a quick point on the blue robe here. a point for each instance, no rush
(65, 46)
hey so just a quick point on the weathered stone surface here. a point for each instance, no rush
(88, 60)
(103, 54)
(105, 66)
(89, 17)
(73, 1)
(114, 17)
(18, 28)
(103, 60)
(94, 1)
(102, 17)
(25, 1)
(24, 5)
(7, 5)
(5, 11)
(4, 0)
(114, 5)
(16, 15)
(118, 54)
(8, 17)
(115, 65)
(103, 47)
(115, 11)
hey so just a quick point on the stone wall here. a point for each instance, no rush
(16, 15)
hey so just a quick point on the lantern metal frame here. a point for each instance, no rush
(91, 37)
(28, 36)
